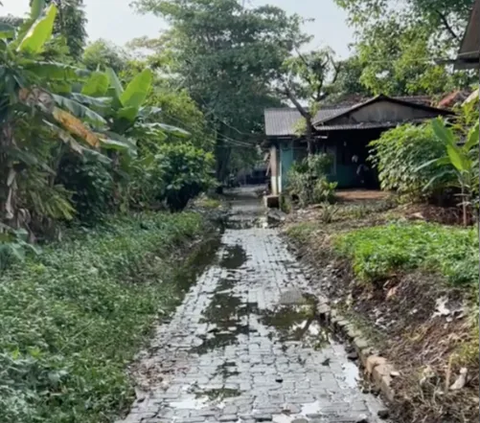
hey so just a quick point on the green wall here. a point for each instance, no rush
(286, 162)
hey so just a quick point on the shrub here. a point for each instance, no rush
(378, 252)
(91, 182)
(307, 180)
(71, 320)
(399, 154)
(186, 173)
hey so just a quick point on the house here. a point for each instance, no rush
(343, 132)
(468, 57)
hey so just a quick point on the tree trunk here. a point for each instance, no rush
(308, 119)
(309, 135)
(222, 157)
(7, 176)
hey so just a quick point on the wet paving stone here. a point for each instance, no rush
(244, 346)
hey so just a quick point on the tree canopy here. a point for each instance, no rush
(71, 24)
(227, 57)
(402, 46)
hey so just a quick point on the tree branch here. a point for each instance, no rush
(307, 66)
(447, 26)
(337, 71)
(297, 104)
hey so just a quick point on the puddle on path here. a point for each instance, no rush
(351, 374)
(187, 274)
(233, 257)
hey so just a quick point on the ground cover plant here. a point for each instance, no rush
(380, 251)
(72, 318)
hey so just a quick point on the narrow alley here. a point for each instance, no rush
(244, 346)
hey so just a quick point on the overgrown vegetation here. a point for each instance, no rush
(399, 155)
(437, 161)
(378, 253)
(81, 144)
(308, 183)
(413, 286)
(71, 319)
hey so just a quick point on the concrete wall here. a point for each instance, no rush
(274, 170)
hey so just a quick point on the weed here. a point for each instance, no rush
(302, 231)
(208, 203)
(328, 212)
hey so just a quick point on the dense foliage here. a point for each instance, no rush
(80, 143)
(399, 43)
(435, 161)
(57, 363)
(308, 182)
(399, 155)
(379, 252)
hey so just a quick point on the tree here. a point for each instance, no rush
(227, 56)
(445, 18)
(308, 77)
(400, 45)
(102, 54)
(398, 59)
(71, 24)
(348, 81)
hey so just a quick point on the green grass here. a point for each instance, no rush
(378, 252)
(72, 318)
(302, 232)
(208, 202)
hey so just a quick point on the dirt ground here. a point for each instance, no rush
(420, 324)
(358, 195)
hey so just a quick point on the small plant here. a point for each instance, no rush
(285, 204)
(324, 191)
(328, 212)
(460, 163)
(14, 246)
(308, 180)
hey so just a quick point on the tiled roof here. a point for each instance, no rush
(283, 122)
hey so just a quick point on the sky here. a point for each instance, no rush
(116, 21)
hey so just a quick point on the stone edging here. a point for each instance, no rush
(377, 369)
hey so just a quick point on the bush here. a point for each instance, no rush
(91, 182)
(378, 252)
(307, 180)
(73, 319)
(186, 173)
(399, 154)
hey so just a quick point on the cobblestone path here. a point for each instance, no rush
(244, 347)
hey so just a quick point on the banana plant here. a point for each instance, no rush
(124, 110)
(461, 160)
(28, 98)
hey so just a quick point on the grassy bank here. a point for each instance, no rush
(72, 318)
(379, 252)
(412, 287)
